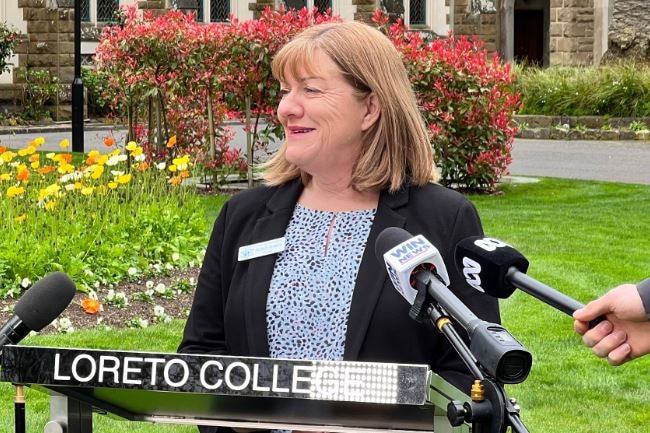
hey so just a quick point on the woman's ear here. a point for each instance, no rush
(373, 111)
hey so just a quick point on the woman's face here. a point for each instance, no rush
(324, 119)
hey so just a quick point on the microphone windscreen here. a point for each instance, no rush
(484, 263)
(388, 239)
(45, 300)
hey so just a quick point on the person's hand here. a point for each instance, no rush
(626, 333)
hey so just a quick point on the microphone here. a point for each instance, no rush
(38, 307)
(415, 262)
(495, 268)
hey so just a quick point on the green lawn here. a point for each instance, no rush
(580, 237)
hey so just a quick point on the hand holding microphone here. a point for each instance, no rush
(626, 333)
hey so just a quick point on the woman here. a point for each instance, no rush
(355, 161)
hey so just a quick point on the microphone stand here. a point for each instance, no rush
(19, 409)
(490, 410)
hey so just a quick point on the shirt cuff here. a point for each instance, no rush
(644, 291)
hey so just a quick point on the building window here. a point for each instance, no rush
(219, 10)
(106, 10)
(322, 5)
(417, 12)
(199, 11)
(85, 10)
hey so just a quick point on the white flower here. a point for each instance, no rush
(192, 281)
(161, 165)
(149, 284)
(25, 283)
(160, 288)
(176, 256)
(116, 173)
(63, 325)
(158, 310)
(132, 271)
(140, 157)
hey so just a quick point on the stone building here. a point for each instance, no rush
(545, 32)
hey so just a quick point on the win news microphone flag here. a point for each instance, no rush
(412, 261)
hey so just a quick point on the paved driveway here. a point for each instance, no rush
(619, 161)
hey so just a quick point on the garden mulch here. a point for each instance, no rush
(114, 317)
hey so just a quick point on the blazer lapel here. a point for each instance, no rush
(271, 226)
(371, 276)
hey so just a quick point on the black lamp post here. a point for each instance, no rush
(77, 83)
(77, 86)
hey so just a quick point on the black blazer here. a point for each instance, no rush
(228, 315)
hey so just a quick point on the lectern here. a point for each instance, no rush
(260, 393)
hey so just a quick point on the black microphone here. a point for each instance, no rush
(38, 307)
(502, 356)
(495, 268)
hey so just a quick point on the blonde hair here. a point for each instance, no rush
(396, 149)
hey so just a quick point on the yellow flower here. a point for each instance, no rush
(7, 156)
(50, 205)
(137, 152)
(65, 168)
(15, 191)
(52, 189)
(131, 146)
(124, 178)
(101, 160)
(172, 168)
(5, 176)
(38, 141)
(96, 171)
(21, 218)
(181, 163)
(27, 151)
(112, 185)
(64, 144)
(51, 156)
(87, 190)
(93, 155)
(34, 164)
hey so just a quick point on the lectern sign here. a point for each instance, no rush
(223, 375)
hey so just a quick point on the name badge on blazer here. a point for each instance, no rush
(260, 249)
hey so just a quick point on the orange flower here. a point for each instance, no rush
(172, 141)
(109, 141)
(91, 306)
(46, 169)
(63, 157)
(23, 174)
(175, 180)
(143, 166)
(3, 149)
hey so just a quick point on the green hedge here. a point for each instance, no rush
(621, 90)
